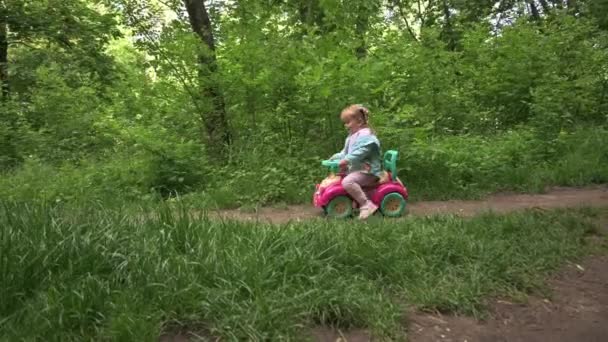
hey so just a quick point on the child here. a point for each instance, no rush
(361, 156)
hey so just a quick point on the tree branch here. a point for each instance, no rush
(21, 42)
(422, 17)
(407, 24)
(178, 73)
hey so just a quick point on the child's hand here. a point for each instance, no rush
(343, 164)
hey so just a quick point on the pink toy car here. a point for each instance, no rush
(390, 195)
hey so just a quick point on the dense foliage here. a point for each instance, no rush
(117, 117)
(235, 102)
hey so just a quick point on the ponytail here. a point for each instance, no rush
(364, 113)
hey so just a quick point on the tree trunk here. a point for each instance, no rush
(533, 10)
(361, 28)
(311, 17)
(3, 53)
(545, 5)
(306, 13)
(216, 123)
(448, 30)
(572, 6)
(559, 4)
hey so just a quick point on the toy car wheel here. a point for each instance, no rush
(340, 207)
(393, 205)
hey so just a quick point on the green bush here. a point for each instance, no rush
(140, 176)
(470, 166)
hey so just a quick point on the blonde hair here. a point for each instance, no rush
(357, 112)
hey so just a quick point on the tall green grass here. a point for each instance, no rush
(474, 166)
(432, 168)
(90, 273)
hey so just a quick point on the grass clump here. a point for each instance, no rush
(88, 273)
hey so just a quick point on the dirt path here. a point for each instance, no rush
(576, 310)
(555, 198)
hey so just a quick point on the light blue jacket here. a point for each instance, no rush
(363, 153)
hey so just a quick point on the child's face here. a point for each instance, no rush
(350, 123)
